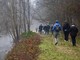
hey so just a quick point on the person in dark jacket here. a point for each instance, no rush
(47, 29)
(73, 33)
(40, 29)
(51, 29)
(66, 28)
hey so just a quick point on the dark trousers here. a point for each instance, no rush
(40, 31)
(48, 32)
(73, 40)
(66, 34)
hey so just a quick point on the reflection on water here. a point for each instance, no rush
(5, 45)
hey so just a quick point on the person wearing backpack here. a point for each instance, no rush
(73, 33)
(66, 28)
(56, 29)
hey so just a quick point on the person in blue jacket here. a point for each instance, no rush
(56, 29)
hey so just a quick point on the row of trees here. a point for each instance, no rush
(15, 17)
(59, 10)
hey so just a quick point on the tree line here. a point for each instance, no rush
(16, 15)
(59, 10)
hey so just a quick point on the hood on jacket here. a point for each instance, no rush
(72, 25)
(57, 21)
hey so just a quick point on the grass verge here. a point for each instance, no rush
(62, 51)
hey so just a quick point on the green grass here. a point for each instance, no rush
(63, 51)
(28, 34)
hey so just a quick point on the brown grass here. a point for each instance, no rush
(26, 49)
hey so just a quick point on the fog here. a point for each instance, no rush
(6, 41)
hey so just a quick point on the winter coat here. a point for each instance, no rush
(40, 28)
(48, 28)
(66, 27)
(44, 28)
(54, 26)
(73, 31)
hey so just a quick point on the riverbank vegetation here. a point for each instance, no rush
(26, 49)
(41, 47)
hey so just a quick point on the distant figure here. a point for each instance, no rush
(73, 33)
(40, 29)
(51, 29)
(47, 29)
(66, 28)
(56, 28)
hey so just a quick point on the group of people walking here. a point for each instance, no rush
(44, 29)
(57, 27)
(72, 30)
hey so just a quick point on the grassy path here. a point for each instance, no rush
(63, 51)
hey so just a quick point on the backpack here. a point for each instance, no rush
(57, 28)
